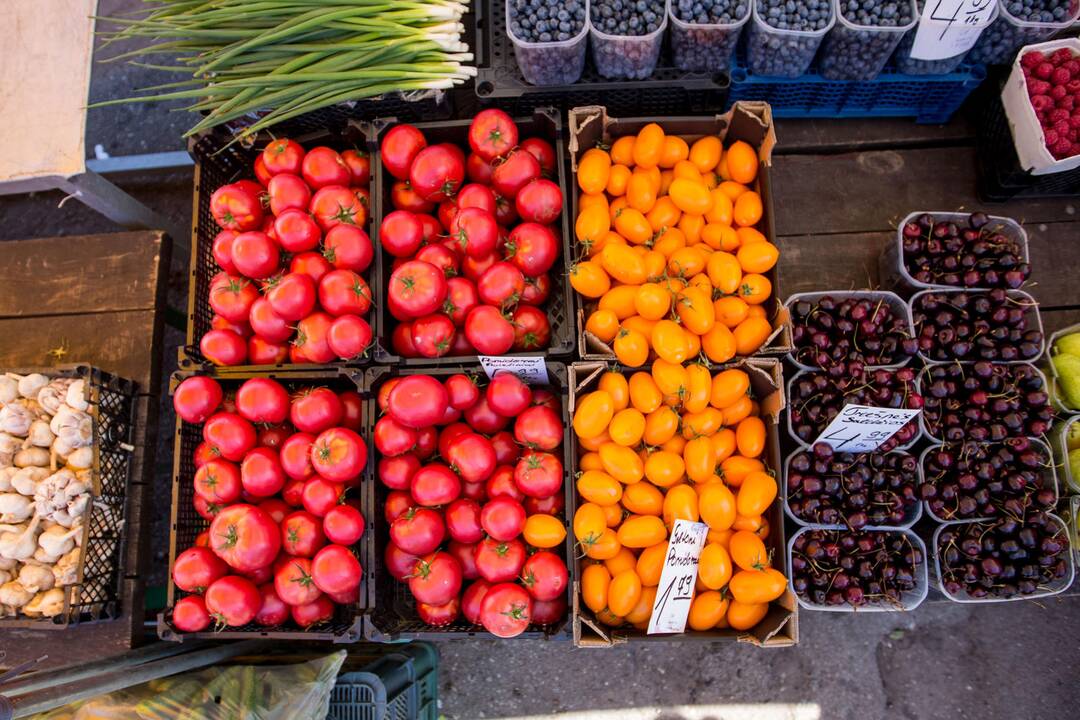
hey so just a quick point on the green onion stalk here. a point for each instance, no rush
(284, 58)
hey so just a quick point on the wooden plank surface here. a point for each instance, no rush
(820, 135)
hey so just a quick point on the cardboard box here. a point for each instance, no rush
(780, 628)
(748, 121)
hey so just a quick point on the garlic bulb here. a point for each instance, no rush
(32, 457)
(46, 604)
(30, 385)
(14, 594)
(9, 445)
(81, 459)
(40, 434)
(9, 389)
(61, 448)
(36, 578)
(75, 395)
(7, 563)
(20, 546)
(6, 576)
(74, 427)
(15, 418)
(15, 508)
(5, 478)
(26, 479)
(55, 541)
(53, 395)
(62, 497)
(66, 568)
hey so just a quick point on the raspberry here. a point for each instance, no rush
(1032, 59)
(1074, 150)
(1073, 86)
(1060, 76)
(1044, 70)
(1051, 137)
(1062, 127)
(1061, 149)
(1040, 102)
(1058, 115)
(1074, 121)
(1058, 91)
(1073, 66)
(1062, 55)
(1038, 87)
(1067, 103)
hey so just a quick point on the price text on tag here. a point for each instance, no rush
(860, 428)
(676, 589)
(530, 369)
(948, 28)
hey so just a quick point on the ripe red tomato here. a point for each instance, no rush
(539, 474)
(349, 337)
(311, 338)
(436, 578)
(417, 401)
(539, 427)
(500, 285)
(312, 264)
(399, 563)
(283, 156)
(403, 197)
(316, 409)
(323, 167)
(463, 521)
(437, 172)
(296, 457)
(240, 328)
(293, 492)
(501, 484)
(545, 506)
(236, 207)
(263, 352)
(507, 394)
(472, 456)
(343, 525)
(352, 409)
(313, 613)
(465, 554)
(221, 249)
(543, 152)
(204, 453)
(499, 561)
(391, 438)
(397, 503)
(276, 508)
(426, 441)
(418, 531)
(231, 297)
(262, 400)
(492, 134)
(439, 615)
(537, 290)
(548, 612)
(489, 331)
(473, 491)
(255, 255)
(396, 472)
(348, 247)
(343, 292)
(266, 323)
(196, 398)
(476, 195)
(449, 434)
(462, 391)
(502, 518)
(474, 232)
(505, 212)
(533, 248)
(441, 257)
(245, 537)
(206, 510)
(532, 330)
(272, 436)
(399, 146)
(401, 233)
(231, 435)
(433, 335)
(506, 450)
(337, 205)
(233, 601)
(434, 485)
(293, 582)
(321, 495)
(545, 576)
(339, 454)
(261, 473)
(472, 599)
(515, 172)
(461, 297)
(302, 534)
(484, 419)
(291, 297)
(546, 398)
(416, 288)
(359, 162)
(473, 268)
(288, 192)
(261, 173)
(401, 340)
(197, 567)
(446, 212)
(273, 611)
(478, 169)
(539, 201)
(190, 615)
(296, 231)
(506, 610)
(336, 570)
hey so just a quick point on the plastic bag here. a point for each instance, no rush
(237, 692)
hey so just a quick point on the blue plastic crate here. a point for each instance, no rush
(930, 99)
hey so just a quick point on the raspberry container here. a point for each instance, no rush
(781, 53)
(914, 66)
(859, 52)
(631, 57)
(1031, 316)
(551, 63)
(1055, 391)
(1004, 36)
(1048, 479)
(893, 300)
(1059, 441)
(909, 601)
(1054, 588)
(894, 274)
(701, 47)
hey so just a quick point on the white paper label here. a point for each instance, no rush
(676, 589)
(948, 28)
(861, 428)
(530, 369)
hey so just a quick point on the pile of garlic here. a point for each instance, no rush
(46, 452)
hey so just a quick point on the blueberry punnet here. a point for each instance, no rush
(788, 53)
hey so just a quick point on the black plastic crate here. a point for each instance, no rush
(219, 161)
(96, 597)
(185, 523)
(392, 616)
(668, 91)
(545, 123)
(402, 683)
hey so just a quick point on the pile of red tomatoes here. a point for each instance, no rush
(476, 494)
(292, 251)
(273, 477)
(474, 240)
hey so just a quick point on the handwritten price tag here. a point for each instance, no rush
(676, 589)
(861, 428)
(948, 28)
(530, 369)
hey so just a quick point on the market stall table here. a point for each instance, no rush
(92, 299)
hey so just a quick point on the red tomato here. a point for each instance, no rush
(505, 212)
(321, 495)
(441, 257)
(312, 264)
(349, 597)
(397, 503)
(273, 611)
(484, 419)
(197, 567)
(261, 473)
(539, 474)
(196, 398)
(492, 134)
(426, 440)
(262, 400)
(449, 434)
(506, 450)
(293, 582)
(245, 537)
(472, 456)
(474, 231)
(452, 415)
(231, 297)
(533, 248)
(463, 521)
(337, 205)
(472, 599)
(546, 398)
(446, 212)
(532, 331)
(434, 485)
(323, 167)
(313, 613)
(439, 615)
(549, 612)
(418, 531)
(230, 434)
(462, 391)
(517, 169)
(501, 484)
(477, 196)
(396, 472)
(537, 290)
(539, 201)
(236, 207)
(461, 297)
(204, 453)
(539, 427)
(291, 297)
(499, 561)
(207, 510)
(401, 340)
(543, 152)
(391, 438)
(359, 163)
(348, 247)
(255, 255)
(296, 231)
(288, 192)
(437, 172)
(283, 156)
(416, 289)
(336, 570)
(343, 292)
(240, 328)
(500, 285)
(260, 576)
(221, 249)
(506, 610)
(264, 352)
(545, 576)
(489, 331)
(431, 228)
(316, 409)
(401, 233)
(473, 268)
(277, 509)
(473, 491)
(311, 338)
(433, 335)
(403, 197)
(339, 454)
(464, 553)
(296, 457)
(272, 436)
(352, 409)
(507, 394)
(261, 173)
(545, 506)
(503, 518)
(190, 615)
(399, 146)
(293, 493)
(343, 525)
(399, 563)
(417, 401)
(436, 578)
(301, 535)
(478, 169)
(349, 337)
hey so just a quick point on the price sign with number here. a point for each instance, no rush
(948, 28)
(676, 589)
(530, 369)
(861, 428)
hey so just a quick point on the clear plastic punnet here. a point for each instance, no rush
(914, 66)
(628, 57)
(859, 52)
(781, 53)
(1008, 33)
(700, 47)
(550, 63)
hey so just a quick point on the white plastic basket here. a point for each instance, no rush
(631, 57)
(552, 63)
(1031, 311)
(894, 301)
